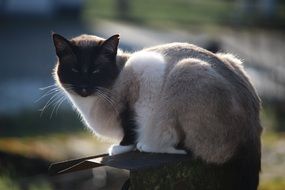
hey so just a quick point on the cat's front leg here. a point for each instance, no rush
(119, 149)
(128, 125)
(127, 144)
(159, 136)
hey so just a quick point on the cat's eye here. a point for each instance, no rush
(96, 71)
(74, 70)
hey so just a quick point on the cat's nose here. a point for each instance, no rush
(84, 92)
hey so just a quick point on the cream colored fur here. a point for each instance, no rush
(181, 94)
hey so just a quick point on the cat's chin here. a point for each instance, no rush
(85, 96)
(75, 94)
(81, 94)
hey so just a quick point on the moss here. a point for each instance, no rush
(191, 175)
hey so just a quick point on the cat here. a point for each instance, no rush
(171, 98)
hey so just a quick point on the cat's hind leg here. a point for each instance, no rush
(170, 150)
(159, 136)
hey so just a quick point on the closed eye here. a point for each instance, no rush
(96, 71)
(74, 70)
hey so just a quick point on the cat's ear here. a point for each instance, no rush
(62, 45)
(110, 46)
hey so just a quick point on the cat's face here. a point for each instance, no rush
(86, 65)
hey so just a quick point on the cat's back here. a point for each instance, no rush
(211, 96)
(159, 60)
(176, 51)
(225, 66)
(156, 63)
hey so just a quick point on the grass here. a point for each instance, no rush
(165, 13)
(185, 14)
(57, 147)
(9, 183)
(31, 123)
(274, 184)
(64, 137)
(273, 161)
(29, 156)
(29, 142)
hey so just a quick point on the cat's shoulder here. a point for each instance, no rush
(146, 61)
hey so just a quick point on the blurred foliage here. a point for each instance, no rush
(162, 13)
(186, 13)
(42, 185)
(25, 151)
(8, 183)
(54, 147)
(25, 158)
(30, 123)
(272, 118)
(268, 118)
(275, 184)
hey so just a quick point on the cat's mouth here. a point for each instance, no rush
(84, 92)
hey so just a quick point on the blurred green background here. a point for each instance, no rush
(32, 137)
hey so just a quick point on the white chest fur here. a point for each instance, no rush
(149, 68)
(97, 116)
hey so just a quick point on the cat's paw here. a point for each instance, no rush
(170, 150)
(144, 148)
(119, 149)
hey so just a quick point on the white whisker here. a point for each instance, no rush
(107, 98)
(50, 101)
(55, 105)
(50, 86)
(49, 92)
(61, 101)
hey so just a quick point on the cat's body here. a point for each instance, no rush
(172, 98)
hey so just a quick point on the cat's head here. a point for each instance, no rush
(85, 63)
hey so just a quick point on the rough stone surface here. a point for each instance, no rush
(190, 175)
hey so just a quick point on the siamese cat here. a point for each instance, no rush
(171, 98)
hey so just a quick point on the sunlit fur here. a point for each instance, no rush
(182, 95)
